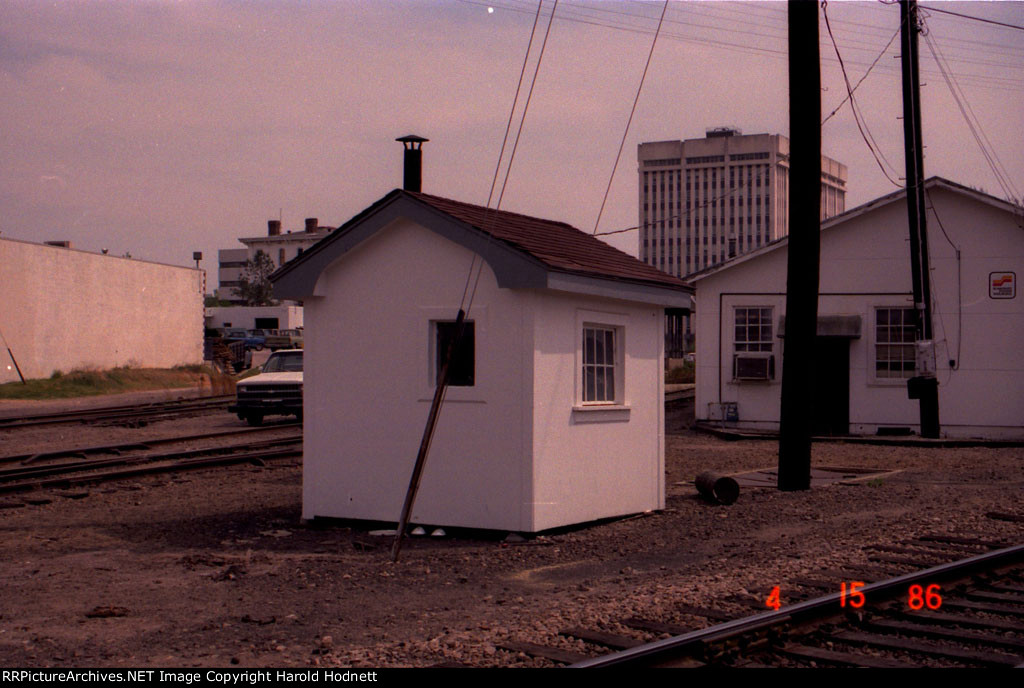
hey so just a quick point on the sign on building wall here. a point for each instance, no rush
(1002, 285)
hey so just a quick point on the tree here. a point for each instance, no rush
(254, 284)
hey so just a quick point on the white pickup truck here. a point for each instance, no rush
(276, 390)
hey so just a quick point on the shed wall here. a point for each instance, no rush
(593, 461)
(368, 388)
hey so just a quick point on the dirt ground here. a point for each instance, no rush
(214, 568)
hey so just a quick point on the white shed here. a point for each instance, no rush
(556, 416)
(865, 344)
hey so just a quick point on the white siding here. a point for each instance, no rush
(865, 264)
(368, 388)
(595, 464)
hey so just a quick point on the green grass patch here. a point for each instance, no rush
(683, 374)
(87, 382)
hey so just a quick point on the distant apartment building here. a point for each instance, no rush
(703, 201)
(280, 247)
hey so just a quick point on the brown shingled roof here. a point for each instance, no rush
(558, 245)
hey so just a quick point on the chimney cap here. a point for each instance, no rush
(411, 138)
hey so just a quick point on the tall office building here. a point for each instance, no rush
(703, 201)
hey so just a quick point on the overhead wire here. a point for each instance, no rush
(959, 289)
(977, 19)
(515, 145)
(973, 124)
(986, 81)
(504, 140)
(857, 85)
(853, 104)
(629, 121)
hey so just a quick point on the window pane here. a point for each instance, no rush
(598, 347)
(610, 386)
(600, 376)
(609, 346)
(588, 384)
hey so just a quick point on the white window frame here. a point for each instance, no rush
(617, 323)
(600, 368)
(483, 383)
(762, 347)
(761, 344)
(908, 346)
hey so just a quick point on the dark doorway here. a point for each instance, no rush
(832, 386)
(267, 324)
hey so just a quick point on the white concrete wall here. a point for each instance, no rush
(865, 264)
(289, 317)
(593, 462)
(368, 388)
(63, 309)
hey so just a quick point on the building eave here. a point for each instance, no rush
(896, 196)
(513, 268)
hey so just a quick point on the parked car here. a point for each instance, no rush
(238, 334)
(276, 390)
(283, 339)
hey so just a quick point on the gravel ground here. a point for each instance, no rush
(213, 568)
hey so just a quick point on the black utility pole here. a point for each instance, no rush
(924, 385)
(796, 418)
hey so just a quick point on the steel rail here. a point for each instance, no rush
(142, 444)
(11, 475)
(104, 412)
(183, 465)
(817, 607)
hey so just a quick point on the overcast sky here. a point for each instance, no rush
(162, 128)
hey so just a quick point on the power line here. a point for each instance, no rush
(519, 132)
(850, 94)
(991, 157)
(978, 19)
(629, 121)
(985, 81)
(853, 103)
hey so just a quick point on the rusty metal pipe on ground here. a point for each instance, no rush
(716, 487)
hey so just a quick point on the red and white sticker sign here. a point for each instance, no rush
(1002, 285)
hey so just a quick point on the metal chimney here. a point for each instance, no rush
(413, 178)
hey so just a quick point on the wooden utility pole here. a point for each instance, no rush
(796, 416)
(923, 386)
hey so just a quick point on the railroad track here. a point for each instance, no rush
(961, 605)
(22, 473)
(132, 415)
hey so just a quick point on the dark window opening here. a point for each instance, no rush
(461, 369)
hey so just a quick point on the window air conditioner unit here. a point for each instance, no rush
(753, 365)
